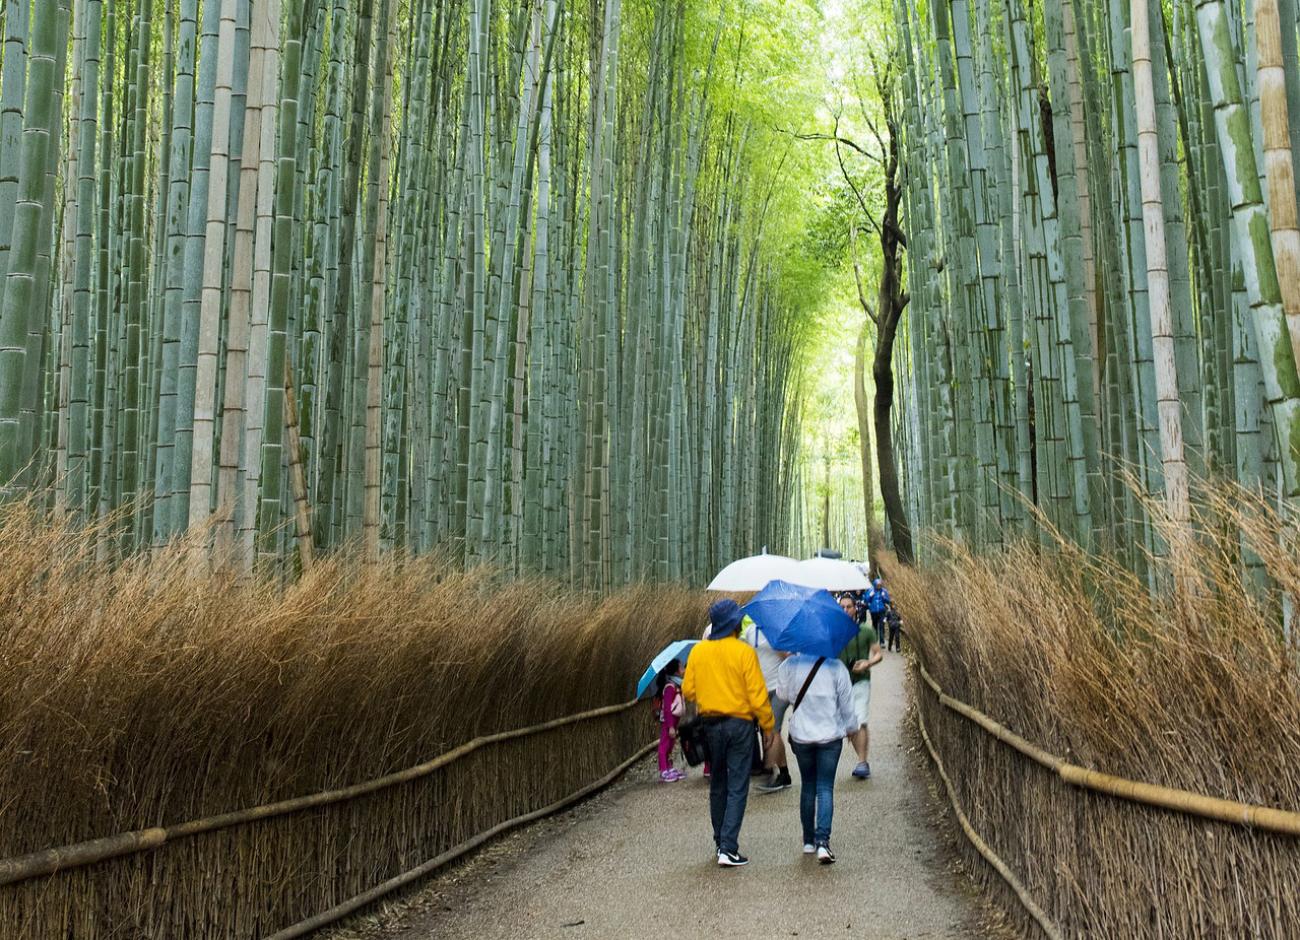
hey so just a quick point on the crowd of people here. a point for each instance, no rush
(741, 690)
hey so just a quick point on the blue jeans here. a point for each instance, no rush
(731, 746)
(817, 766)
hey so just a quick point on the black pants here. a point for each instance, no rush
(896, 637)
(878, 621)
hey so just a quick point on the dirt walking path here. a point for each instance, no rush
(638, 862)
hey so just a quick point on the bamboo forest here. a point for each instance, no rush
(384, 382)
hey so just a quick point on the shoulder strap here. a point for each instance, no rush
(812, 673)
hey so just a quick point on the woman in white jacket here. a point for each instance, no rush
(821, 715)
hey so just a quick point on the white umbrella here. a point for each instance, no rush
(753, 573)
(830, 574)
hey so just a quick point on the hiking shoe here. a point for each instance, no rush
(824, 855)
(862, 771)
(774, 784)
(731, 860)
(809, 848)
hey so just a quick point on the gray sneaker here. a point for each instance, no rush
(862, 771)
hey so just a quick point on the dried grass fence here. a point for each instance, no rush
(1192, 689)
(140, 696)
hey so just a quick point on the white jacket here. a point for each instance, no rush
(826, 713)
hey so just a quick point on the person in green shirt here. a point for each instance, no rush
(862, 652)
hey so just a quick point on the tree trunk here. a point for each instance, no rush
(883, 372)
(864, 436)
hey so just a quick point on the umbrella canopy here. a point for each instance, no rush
(799, 619)
(830, 574)
(677, 650)
(753, 573)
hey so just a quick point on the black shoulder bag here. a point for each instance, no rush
(812, 674)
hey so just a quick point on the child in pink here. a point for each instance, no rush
(669, 694)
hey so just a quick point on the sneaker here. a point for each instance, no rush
(809, 848)
(731, 860)
(676, 775)
(824, 855)
(774, 784)
(862, 771)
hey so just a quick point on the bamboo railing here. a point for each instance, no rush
(1269, 819)
(339, 911)
(77, 855)
(1286, 822)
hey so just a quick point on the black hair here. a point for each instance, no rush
(661, 680)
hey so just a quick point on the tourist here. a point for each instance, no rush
(725, 682)
(894, 620)
(671, 706)
(878, 601)
(769, 660)
(821, 716)
(859, 656)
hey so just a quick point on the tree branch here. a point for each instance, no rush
(857, 276)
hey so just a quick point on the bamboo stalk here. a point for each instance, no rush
(297, 479)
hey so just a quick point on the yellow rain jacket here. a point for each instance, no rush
(723, 678)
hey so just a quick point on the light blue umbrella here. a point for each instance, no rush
(677, 650)
(798, 619)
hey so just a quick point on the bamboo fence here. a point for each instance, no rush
(250, 870)
(1267, 821)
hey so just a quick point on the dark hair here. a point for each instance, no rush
(661, 680)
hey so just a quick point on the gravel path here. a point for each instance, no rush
(637, 861)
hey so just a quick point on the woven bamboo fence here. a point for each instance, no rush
(1085, 854)
(1090, 784)
(1122, 763)
(283, 870)
(282, 751)
(1080, 853)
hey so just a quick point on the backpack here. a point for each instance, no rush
(690, 735)
(678, 706)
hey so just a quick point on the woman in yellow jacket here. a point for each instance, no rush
(725, 682)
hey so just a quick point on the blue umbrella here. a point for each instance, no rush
(799, 619)
(677, 650)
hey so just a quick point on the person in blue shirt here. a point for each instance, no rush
(878, 601)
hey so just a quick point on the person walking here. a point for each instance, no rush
(862, 652)
(725, 682)
(668, 694)
(821, 717)
(894, 620)
(769, 661)
(878, 601)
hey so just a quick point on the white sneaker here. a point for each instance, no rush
(809, 848)
(824, 855)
